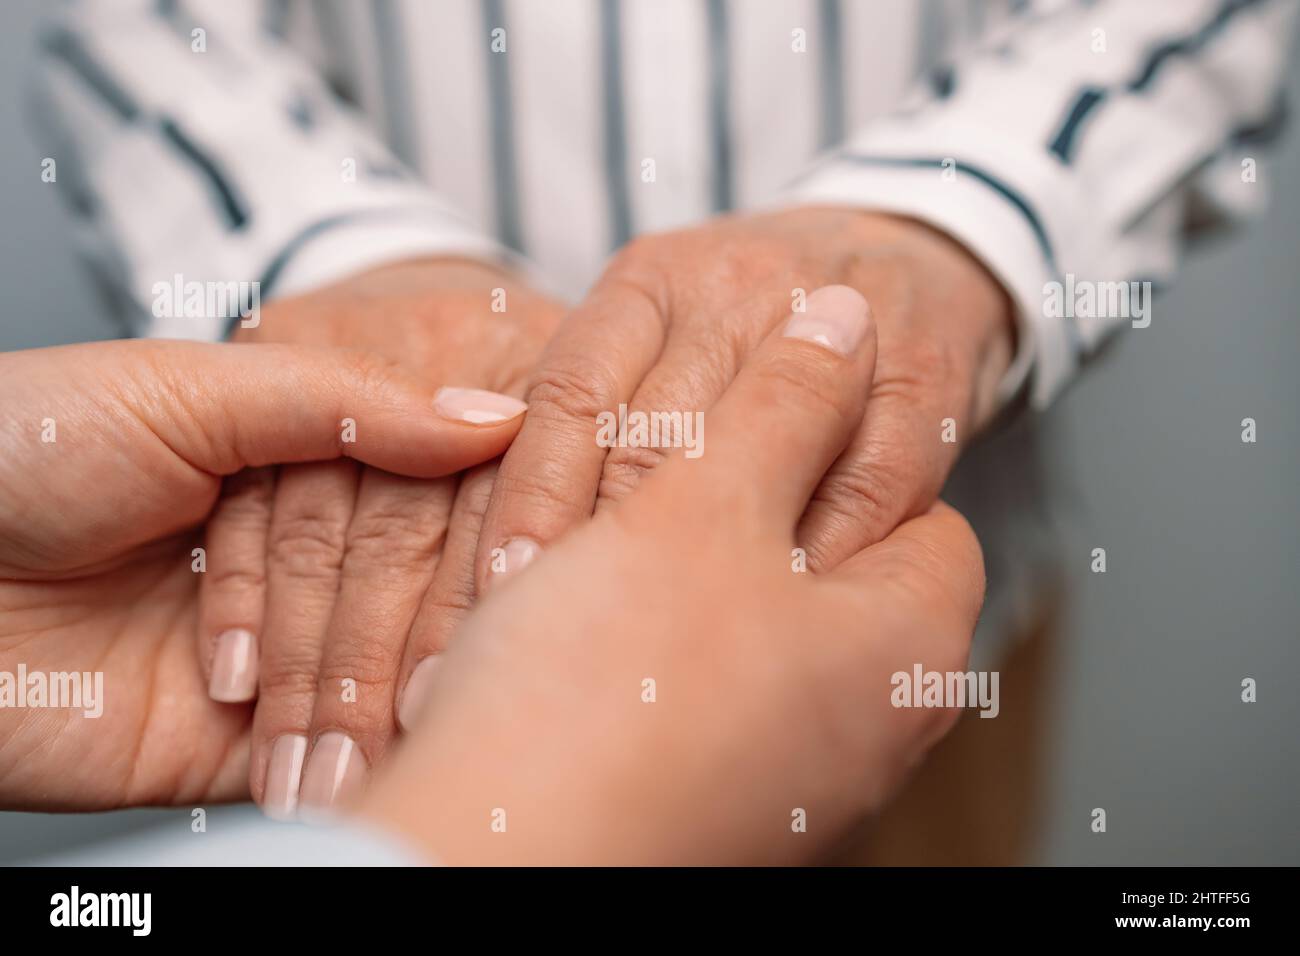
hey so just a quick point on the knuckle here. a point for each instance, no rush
(241, 515)
(863, 492)
(393, 540)
(625, 467)
(618, 481)
(472, 500)
(287, 675)
(371, 666)
(306, 546)
(449, 606)
(928, 362)
(538, 488)
(245, 498)
(236, 579)
(575, 389)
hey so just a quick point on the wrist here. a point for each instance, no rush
(952, 283)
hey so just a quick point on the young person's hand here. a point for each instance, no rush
(114, 457)
(328, 583)
(663, 686)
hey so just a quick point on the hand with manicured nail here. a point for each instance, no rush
(664, 686)
(114, 456)
(668, 325)
(330, 583)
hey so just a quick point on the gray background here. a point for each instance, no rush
(1145, 459)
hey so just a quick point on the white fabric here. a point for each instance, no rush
(1112, 212)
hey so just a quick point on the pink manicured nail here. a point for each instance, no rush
(234, 667)
(513, 556)
(284, 776)
(476, 406)
(417, 691)
(835, 317)
(336, 772)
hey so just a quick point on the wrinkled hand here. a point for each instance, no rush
(662, 687)
(329, 583)
(114, 455)
(669, 324)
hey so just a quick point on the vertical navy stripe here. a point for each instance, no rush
(506, 180)
(943, 80)
(831, 57)
(338, 75)
(235, 211)
(1063, 144)
(1188, 44)
(615, 131)
(720, 106)
(931, 37)
(399, 118)
(65, 46)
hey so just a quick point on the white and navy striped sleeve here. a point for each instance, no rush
(1072, 146)
(191, 140)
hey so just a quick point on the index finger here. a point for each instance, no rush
(548, 479)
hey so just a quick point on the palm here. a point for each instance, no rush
(160, 739)
(95, 576)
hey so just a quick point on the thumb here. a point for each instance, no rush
(128, 440)
(225, 407)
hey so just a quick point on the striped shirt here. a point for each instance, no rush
(291, 143)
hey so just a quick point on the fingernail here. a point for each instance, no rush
(834, 317)
(284, 776)
(417, 691)
(513, 556)
(476, 406)
(336, 772)
(234, 667)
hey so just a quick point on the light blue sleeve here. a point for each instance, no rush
(243, 837)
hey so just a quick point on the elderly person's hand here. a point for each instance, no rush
(670, 323)
(664, 686)
(329, 583)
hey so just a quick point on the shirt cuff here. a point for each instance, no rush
(356, 243)
(989, 215)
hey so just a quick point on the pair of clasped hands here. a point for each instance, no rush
(468, 605)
